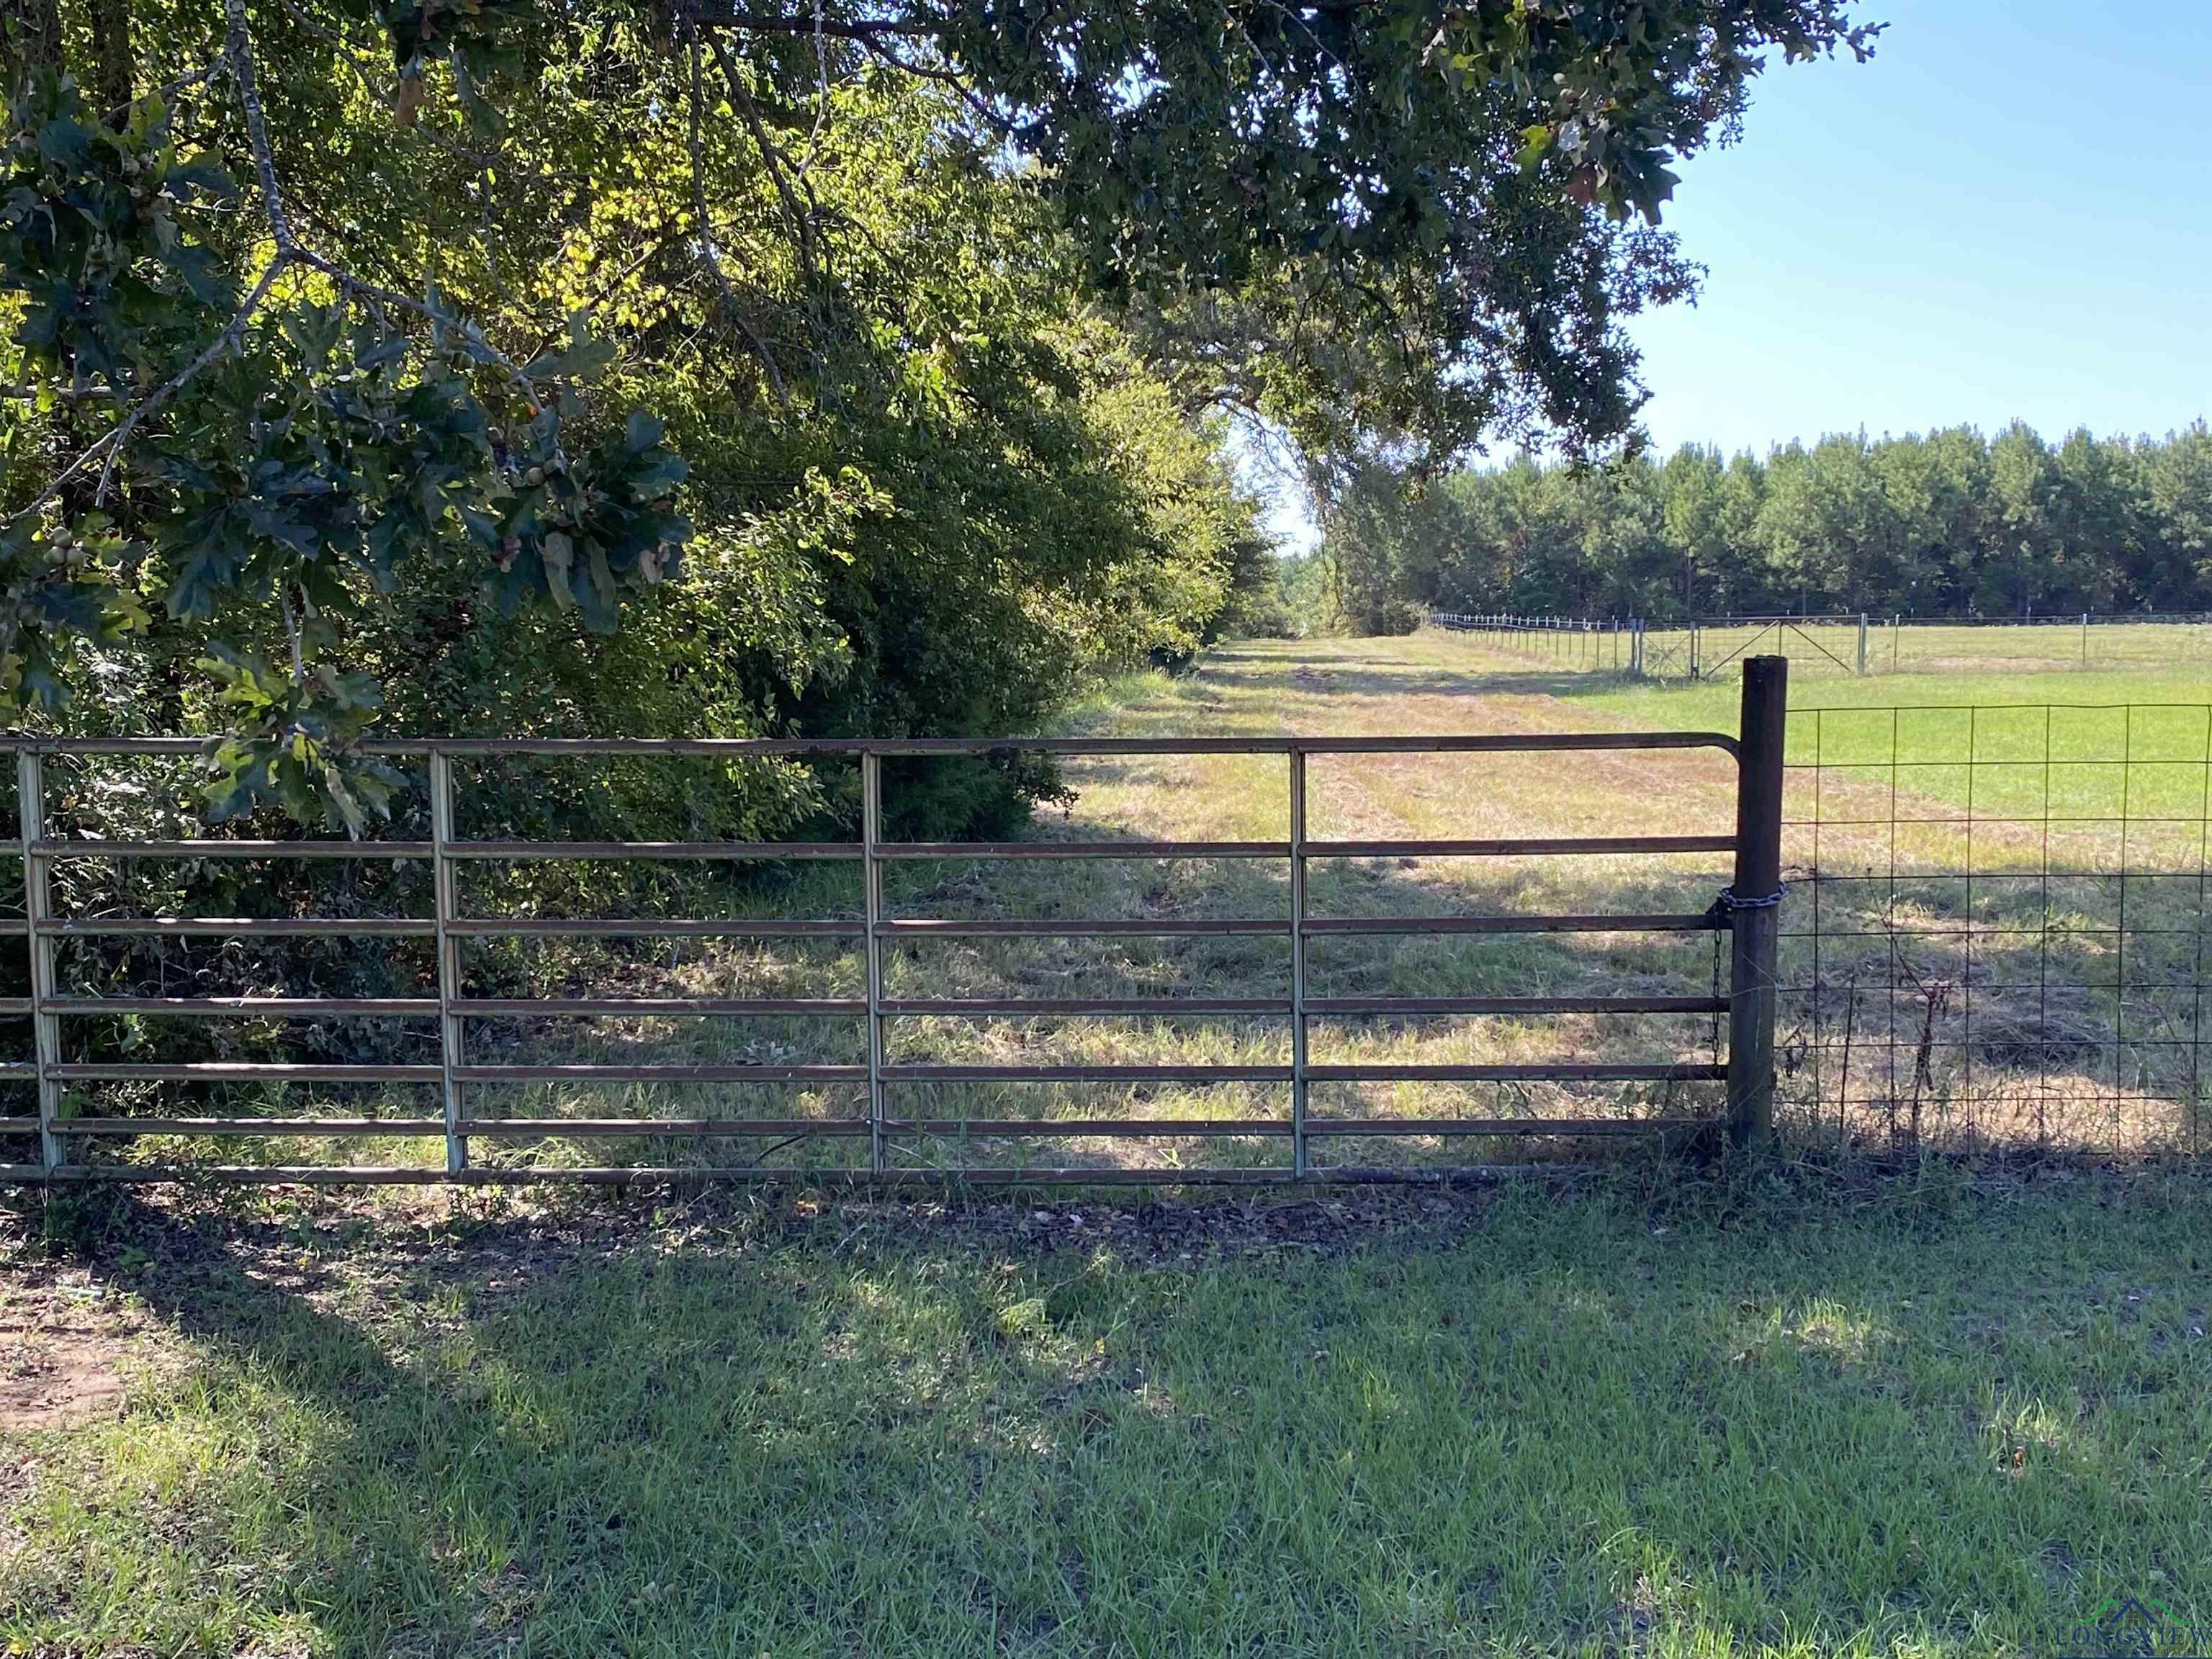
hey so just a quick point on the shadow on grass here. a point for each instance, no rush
(1746, 1420)
(1355, 679)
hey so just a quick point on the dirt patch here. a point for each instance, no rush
(65, 1350)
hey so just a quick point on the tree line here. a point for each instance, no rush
(1949, 523)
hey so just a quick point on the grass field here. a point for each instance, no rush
(1689, 1420)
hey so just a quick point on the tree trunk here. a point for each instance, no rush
(30, 38)
(111, 55)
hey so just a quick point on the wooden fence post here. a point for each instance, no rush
(1753, 900)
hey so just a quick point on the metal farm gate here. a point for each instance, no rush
(1746, 912)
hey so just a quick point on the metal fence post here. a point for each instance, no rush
(1299, 961)
(871, 907)
(1863, 633)
(1755, 892)
(451, 1026)
(38, 906)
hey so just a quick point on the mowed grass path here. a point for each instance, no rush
(1674, 1421)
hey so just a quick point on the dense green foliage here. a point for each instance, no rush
(975, 495)
(376, 361)
(1945, 524)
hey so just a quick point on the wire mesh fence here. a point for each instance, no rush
(2086, 642)
(1848, 644)
(1586, 644)
(1716, 648)
(1997, 933)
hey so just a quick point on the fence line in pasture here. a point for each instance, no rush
(1852, 643)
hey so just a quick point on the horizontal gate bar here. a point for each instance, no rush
(519, 851)
(673, 1127)
(242, 926)
(397, 1007)
(1516, 1004)
(213, 848)
(1516, 847)
(720, 1127)
(1697, 922)
(1577, 1126)
(986, 1128)
(664, 1073)
(257, 1175)
(1079, 929)
(610, 927)
(922, 1008)
(1087, 1073)
(316, 1174)
(1515, 742)
(1084, 849)
(528, 851)
(957, 1007)
(762, 851)
(508, 1007)
(396, 1126)
(772, 748)
(226, 1070)
(1560, 1071)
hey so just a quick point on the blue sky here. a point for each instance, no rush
(2007, 212)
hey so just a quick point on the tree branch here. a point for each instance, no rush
(997, 122)
(839, 29)
(801, 223)
(706, 231)
(111, 442)
(238, 46)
